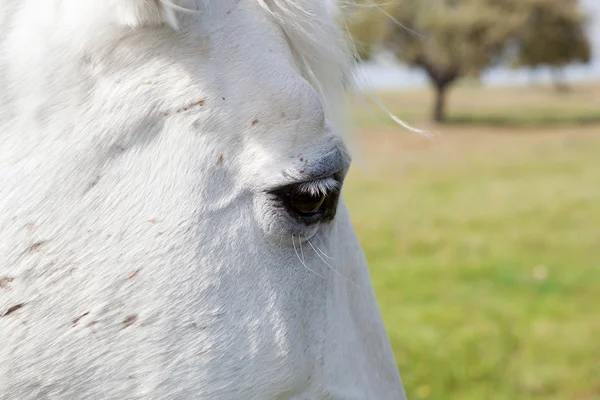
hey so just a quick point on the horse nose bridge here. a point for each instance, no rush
(295, 101)
(333, 162)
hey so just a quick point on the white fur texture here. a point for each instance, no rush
(141, 254)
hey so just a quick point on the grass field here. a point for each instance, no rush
(484, 243)
(471, 105)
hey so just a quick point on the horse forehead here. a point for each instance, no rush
(260, 69)
(289, 100)
(243, 62)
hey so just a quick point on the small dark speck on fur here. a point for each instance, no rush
(198, 102)
(130, 320)
(76, 320)
(5, 280)
(133, 274)
(254, 122)
(92, 184)
(34, 248)
(12, 309)
(95, 181)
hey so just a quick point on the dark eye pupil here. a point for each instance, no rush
(307, 203)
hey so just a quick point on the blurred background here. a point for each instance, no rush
(483, 241)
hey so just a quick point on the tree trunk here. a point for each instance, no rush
(558, 78)
(439, 111)
(440, 78)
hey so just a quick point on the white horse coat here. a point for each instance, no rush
(143, 252)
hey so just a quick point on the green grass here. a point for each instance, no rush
(472, 105)
(528, 118)
(484, 250)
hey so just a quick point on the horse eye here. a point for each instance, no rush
(308, 202)
(305, 204)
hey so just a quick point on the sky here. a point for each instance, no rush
(386, 73)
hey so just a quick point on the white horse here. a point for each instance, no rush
(170, 219)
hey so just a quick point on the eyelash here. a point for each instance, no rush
(320, 187)
(312, 201)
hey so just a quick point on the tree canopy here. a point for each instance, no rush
(554, 36)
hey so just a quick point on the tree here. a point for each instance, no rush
(554, 35)
(451, 39)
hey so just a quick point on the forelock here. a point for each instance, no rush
(319, 46)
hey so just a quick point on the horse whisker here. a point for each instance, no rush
(324, 245)
(301, 251)
(330, 267)
(321, 251)
(301, 260)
